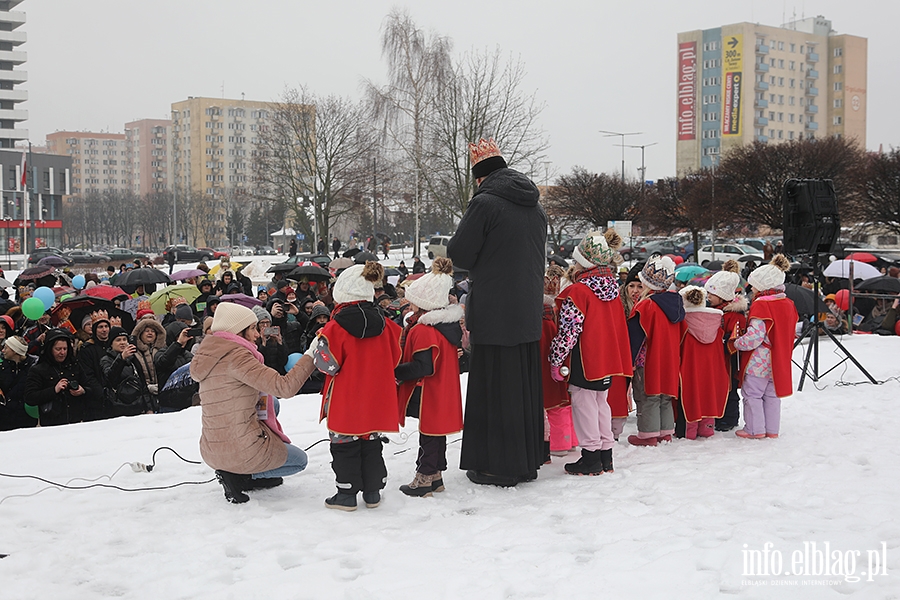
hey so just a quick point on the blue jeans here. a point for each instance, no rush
(296, 458)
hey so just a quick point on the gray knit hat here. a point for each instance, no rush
(261, 313)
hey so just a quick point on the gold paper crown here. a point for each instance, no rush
(482, 150)
(99, 315)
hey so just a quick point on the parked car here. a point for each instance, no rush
(567, 246)
(40, 253)
(124, 255)
(187, 253)
(726, 252)
(646, 250)
(86, 257)
(241, 251)
(437, 246)
(322, 260)
(265, 250)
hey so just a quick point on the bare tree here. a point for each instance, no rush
(879, 200)
(684, 203)
(595, 198)
(753, 175)
(481, 97)
(418, 64)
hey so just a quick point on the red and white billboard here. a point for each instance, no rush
(687, 91)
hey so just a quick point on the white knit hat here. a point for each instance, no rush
(357, 283)
(659, 273)
(597, 248)
(723, 284)
(694, 297)
(432, 290)
(771, 275)
(233, 318)
(17, 345)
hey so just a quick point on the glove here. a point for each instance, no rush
(311, 351)
(555, 375)
(153, 388)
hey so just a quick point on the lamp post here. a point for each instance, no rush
(622, 135)
(643, 168)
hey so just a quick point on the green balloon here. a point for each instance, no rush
(33, 308)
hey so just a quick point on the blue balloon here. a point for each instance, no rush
(292, 360)
(46, 296)
(78, 282)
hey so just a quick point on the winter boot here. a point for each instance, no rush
(606, 461)
(690, 430)
(342, 501)
(743, 433)
(234, 485)
(639, 441)
(420, 487)
(706, 428)
(263, 483)
(547, 452)
(588, 464)
(437, 484)
(372, 499)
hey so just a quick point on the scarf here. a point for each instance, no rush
(145, 359)
(271, 420)
(410, 321)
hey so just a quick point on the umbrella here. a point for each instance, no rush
(158, 299)
(685, 265)
(884, 284)
(35, 273)
(393, 272)
(107, 292)
(352, 252)
(186, 274)
(282, 268)
(4, 283)
(142, 277)
(81, 306)
(688, 273)
(233, 266)
(340, 263)
(841, 269)
(803, 299)
(309, 271)
(754, 257)
(364, 257)
(714, 265)
(242, 299)
(54, 261)
(862, 257)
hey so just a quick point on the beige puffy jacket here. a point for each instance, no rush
(231, 379)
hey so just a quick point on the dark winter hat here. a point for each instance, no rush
(318, 311)
(183, 312)
(115, 332)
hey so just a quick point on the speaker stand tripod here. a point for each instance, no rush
(811, 330)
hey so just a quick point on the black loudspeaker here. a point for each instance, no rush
(811, 221)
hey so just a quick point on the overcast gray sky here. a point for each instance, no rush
(597, 64)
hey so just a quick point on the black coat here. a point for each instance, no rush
(89, 357)
(501, 241)
(126, 390)
(56, 408)
(12, 382)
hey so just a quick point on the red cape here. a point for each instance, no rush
(780, 316)
(617, 398)
(440, 408)
(362, 397)
(704, 377)
(732, 319)
(556, 393)
(663, 349)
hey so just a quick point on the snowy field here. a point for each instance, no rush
(675, 521)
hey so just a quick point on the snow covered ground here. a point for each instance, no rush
(676, 521)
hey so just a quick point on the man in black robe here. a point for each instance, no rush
(501, 241)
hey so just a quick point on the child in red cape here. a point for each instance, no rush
(358, 351)
(593, 337)
(767, 346)
(559, 433)
(704, 378)
(429, 374)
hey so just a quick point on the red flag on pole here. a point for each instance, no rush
(24, 170)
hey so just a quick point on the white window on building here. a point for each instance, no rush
(781, 45)
(780, 98)
(793, 47)
(792, 82)
(790, 135)
(838, 52)
(838, 102)
(790, 117)
(837, 120)
(781, 81)
(838, 69)
(780, 63)
(772, 62)
(772, 80)
(780, 134)
(791, 100)
(838, 86)
(771, 115)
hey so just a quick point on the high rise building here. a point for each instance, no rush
(747, 82)
(147, 155)
(11, 75)
(99, 160)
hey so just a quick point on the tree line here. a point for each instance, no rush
(743, 191)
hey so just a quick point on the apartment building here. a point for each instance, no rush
(746, 82)
(11, 74)
(99, 160)
(148, 161)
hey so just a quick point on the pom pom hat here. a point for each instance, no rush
(597, 249)
(659, 273)
(725, 283)
(432, 291)
(694, 297)
(770, 276)
(233, 318)
(357, 283)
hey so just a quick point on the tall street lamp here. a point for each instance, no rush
(622, 135)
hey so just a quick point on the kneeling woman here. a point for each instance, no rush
(241, 437)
